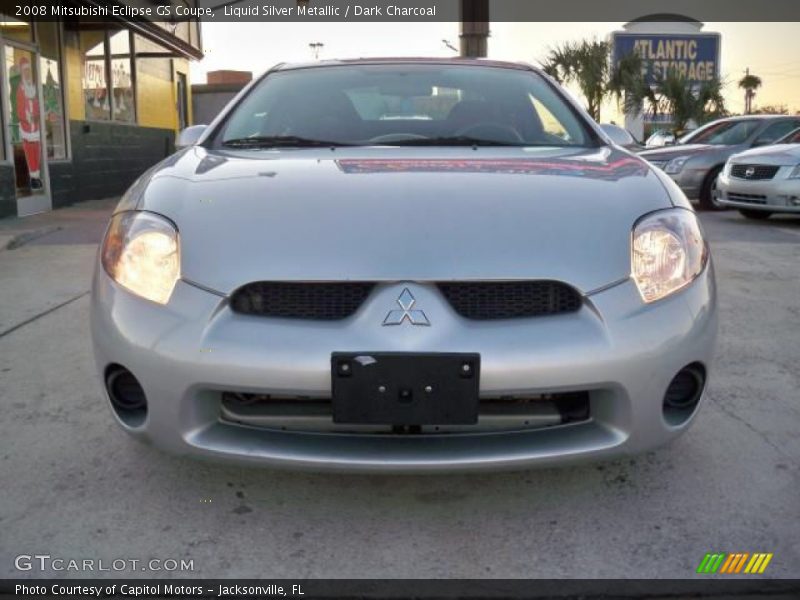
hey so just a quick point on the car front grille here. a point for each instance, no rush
(479, 300)
(317, 301)
(485, 300)
(495, 414)
(749, 198)
(754, 172)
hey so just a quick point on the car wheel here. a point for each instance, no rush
(709, 194)
(758, 215)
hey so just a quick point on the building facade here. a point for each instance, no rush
(88, 105)
(210, 98)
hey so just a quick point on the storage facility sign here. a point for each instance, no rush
(694, 56)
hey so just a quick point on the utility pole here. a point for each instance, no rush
(474, 16)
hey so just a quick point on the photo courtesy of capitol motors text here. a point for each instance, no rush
(177, 590)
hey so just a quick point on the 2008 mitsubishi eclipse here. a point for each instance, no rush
(404, 265)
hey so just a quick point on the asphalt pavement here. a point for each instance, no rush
(75, 486)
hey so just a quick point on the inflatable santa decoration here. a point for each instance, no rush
(28, 116)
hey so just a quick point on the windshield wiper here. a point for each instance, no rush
(280, 141)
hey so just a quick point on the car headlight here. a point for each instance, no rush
(668, 252)
(795, 174)
(726, 170)
(676, 165)
(141, 252)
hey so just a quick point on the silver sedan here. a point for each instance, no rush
(764, 181)
(696, 162)
(310, 284)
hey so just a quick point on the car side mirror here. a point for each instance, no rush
(189, 136)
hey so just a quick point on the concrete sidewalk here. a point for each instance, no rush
(81, 223)
(46, 260)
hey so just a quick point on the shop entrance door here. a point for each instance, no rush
(23, 100)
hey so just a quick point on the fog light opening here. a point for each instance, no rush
(683, 393)
(127, 395)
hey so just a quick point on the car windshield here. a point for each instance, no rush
(404, 104)
(792, 138)
(723, 133)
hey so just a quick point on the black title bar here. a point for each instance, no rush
(232, 11)
(305, 589)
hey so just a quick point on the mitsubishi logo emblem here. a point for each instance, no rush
(406, 312)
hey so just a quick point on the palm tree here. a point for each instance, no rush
(676, 98)
(628, 86)
(749, 83)
(585, 63)
(589, 64)
(710, 101)
(686, 102)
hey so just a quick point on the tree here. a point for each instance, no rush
(589, 64)
(772, 109)
(749, 83)
(585, 63)
(628, 86)
(685, 102)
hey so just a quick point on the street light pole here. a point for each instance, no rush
(316, 47)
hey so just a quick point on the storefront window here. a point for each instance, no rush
(122, 76)
(107, 59)
(154, 83)
(92, 44)
(52, 91)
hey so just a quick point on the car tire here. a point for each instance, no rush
(708, 193)
(756, 215)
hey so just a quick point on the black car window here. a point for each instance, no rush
(776, 131)
(723, 133)
(425, 104)
(792, 138)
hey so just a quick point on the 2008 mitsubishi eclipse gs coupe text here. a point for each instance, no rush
(404, 265)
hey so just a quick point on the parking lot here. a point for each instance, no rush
(74, 486)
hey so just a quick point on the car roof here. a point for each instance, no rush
(387, 60)
(756, 117)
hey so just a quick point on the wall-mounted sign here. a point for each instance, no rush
(694, 56)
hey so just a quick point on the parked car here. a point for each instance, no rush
(764, 181)
(660, 138)
(696, 162)
(622, 137)
(496, 287)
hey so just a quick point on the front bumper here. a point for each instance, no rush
(622, 351)
(772, 195)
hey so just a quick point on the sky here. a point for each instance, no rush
(770, 50)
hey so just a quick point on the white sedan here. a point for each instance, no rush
(764, 181)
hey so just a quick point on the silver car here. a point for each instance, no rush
(312, 285)
(698, 158)
(764, 181)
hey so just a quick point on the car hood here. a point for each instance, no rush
(669, 152)
(777, 155)
(396, 214)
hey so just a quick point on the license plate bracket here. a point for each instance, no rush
(400, 388)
